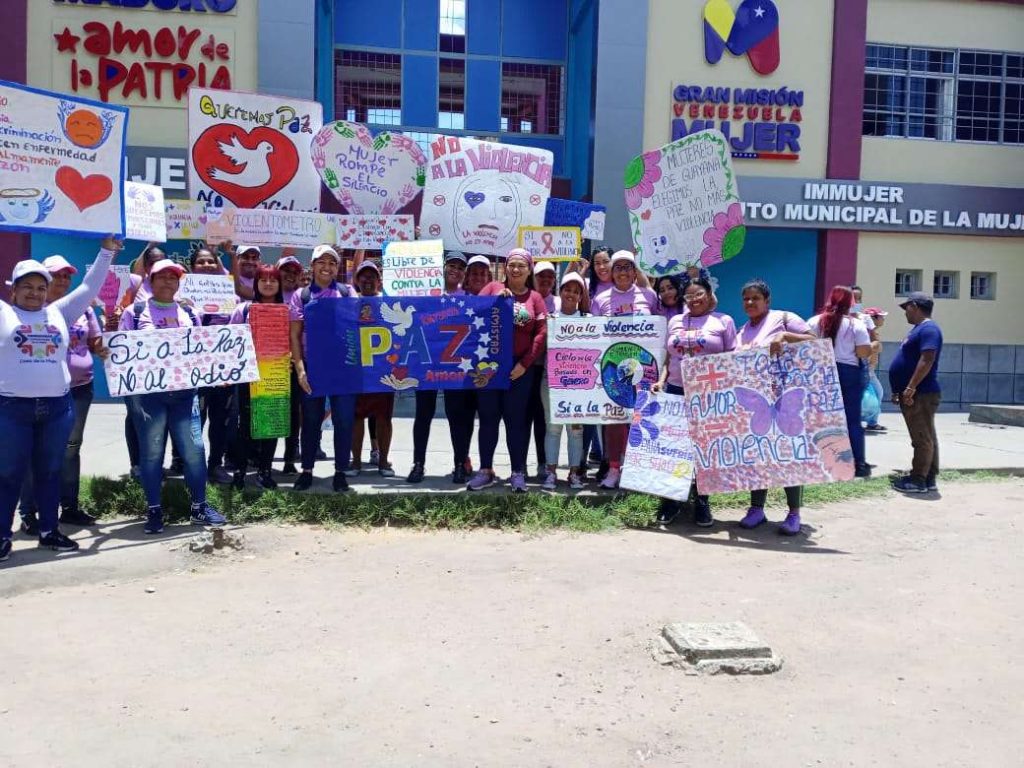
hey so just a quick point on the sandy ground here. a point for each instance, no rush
(898, 619)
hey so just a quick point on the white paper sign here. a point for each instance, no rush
(61, 163)
(209, 294)
(261, 226)
(144, 214)
(251, 150)
(414, 268)
(552, 243)
(373, 230)
(186, 219)
(684, 205)
(172, 359)
(478, 193)
(593, 227)
(659, 452)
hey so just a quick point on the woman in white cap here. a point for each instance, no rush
(544, 278)
(36, 411)
(84, 340)
(156, 415)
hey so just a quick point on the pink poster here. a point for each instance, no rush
(759, 421)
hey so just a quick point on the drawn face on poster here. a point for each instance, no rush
(488, 217)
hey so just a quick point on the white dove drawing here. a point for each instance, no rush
(253, 165)
(396, 316)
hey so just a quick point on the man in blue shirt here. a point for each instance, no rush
(915, 387)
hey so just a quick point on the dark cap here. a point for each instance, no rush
(919, 298)
(455, 256)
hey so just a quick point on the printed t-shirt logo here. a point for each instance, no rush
(37, 341)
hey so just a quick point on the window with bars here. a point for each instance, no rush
(907, 281)
(451, 93)
(531, 98)
(946, 285)
(983, 285)
(368, 87)
(947, 95)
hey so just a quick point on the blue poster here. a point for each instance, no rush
(389, 344)
(589, 217)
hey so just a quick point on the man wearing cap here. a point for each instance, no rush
(156, 415)
(244, 262)
(325, 285)
(915, 387)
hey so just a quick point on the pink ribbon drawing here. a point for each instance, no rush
(547, 239)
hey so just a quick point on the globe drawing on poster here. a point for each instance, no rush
(684, 205)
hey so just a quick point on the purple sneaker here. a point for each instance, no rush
(754, 517)
(791, 525)
(518, 482)
(480, 480)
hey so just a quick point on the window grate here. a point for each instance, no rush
(368, 87)
(532, 98)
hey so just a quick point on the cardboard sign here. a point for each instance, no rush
(683, 204)
(372, 232)
(271, 396)
(186, 219)
(144, 212)
(388, 345)
(478, 194)
(552, 243)
(596, 365)
(298, 229)
(589, 217)
(759, 421)
(659, 452)
(114, 287)
(61, 163)
(209, 294)
(171, 359)
(414, 268)
(251, 150)
(366, 173)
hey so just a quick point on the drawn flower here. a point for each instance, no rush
(641, 173)
(644, 407)
(724, 239)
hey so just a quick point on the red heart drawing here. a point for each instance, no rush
(400, 373)
(83, 192)
(646, 215)
(246, 168)
(392, 359)
(678, 109)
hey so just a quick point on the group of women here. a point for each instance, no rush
(48, 334)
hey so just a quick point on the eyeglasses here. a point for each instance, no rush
(695, 296)
(622, 268)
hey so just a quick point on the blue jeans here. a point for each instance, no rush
(156, 416)
(71, 471)
(511, 406)
(35, 434)
(851, 384)
(343, 413)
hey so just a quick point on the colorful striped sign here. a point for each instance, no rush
(271, 395)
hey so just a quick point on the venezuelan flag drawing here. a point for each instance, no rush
(753, 30)
(271, 395)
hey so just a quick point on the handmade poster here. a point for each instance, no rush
(414, 268)
(171, 359)
(659, 453)
(262, 226)
(372, 232)
(114, 287)
(366, 173)
(61, 163)
(251, 150)
(684, 206)
(270, 397)
(144, 213)
(596, 366)
(389, 345)
(759, 421)
(552, 243)
(478, 194)
(589, 217)
(209, 294)
(186, 219)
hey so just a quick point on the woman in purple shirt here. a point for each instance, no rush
(669, 290)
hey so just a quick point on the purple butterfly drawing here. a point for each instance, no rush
(644, 407)
(786, 413)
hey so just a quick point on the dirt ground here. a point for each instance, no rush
(899, 621)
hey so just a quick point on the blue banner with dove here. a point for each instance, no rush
(386, 344)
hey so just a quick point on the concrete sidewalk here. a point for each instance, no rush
(963, 446)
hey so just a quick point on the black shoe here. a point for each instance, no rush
(459, 474)
(602, 472)
(931, 484)
(667, 512)
(5, 549)
(30, 524)
(304, 482)
(77, 517)
(320, 455)
(416, 474)
(177, 468)
(864, 470)
(265, 480)
(58, 542)
(154, 521)
(702, 514)
(238, 480)
(289, 468)
(340, 482)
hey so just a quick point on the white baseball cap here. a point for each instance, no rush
(368, 265)
(325, 250)
(623, 256)
(29, 267)
(165, 264)
(479, 259)
(573, 277)
(286, 260)
(243, 248)
(58, 263)
(543, 266)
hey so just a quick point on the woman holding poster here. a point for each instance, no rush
(767, 327)
(36, 410)
(699, 331)
(529, 340)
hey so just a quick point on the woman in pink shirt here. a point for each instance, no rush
(699, 331)
(767, 327)
(529, 341)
